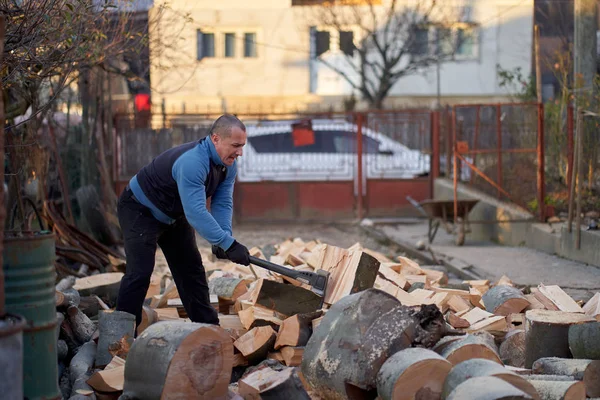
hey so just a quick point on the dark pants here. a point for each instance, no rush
(142, 232)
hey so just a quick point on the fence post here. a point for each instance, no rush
(541, 179)
(570, 147)
(454, 165)
(499, 144)
(435, 149)
(359, 170)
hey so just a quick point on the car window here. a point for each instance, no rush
(341, 142)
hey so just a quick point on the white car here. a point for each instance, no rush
(270, 154)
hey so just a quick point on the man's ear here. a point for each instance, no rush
(215, 138)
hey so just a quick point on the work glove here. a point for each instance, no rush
(219, 252)
(238, 253)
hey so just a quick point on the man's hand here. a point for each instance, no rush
(219, 252)
(238, 253)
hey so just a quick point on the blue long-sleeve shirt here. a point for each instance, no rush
(177, 184)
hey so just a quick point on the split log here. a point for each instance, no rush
(81, 390)
(62, 350)
(547, 334)
(83, 327)
(504, 300)
(112, 326)
(587, 371)
(292, 356)
(179, 360)
(512, 349)
(256, 344)
(228, 288)
(481, 367)
(560, 299)
(109, 380)
(153, 315)
(487, 388)
(296, 330)
(584, 340)
(471, 346)
(106, 286)
(456, 321)
(285, 299)
(253, 317)
(66, 298)
(559, 390)
(412, 373)
(592, 307)
(365, 329)
(266, 383)
(82, 362)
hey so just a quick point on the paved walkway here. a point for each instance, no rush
(522, 265)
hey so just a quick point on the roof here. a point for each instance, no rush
(127, 5)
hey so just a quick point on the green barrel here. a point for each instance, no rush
(30, 278)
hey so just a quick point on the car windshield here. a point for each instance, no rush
(326, 141)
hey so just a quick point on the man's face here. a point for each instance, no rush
(230, 148)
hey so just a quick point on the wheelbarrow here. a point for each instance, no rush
(441, 212)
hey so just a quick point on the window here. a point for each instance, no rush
(205, 44)
(347, 42)
(230, 45)
(445, 42)
(465, 42)
(420, 46)
(249, 45)
(323, 38)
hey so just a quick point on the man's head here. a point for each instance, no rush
(228, 134)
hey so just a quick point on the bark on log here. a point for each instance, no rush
(66, 298)
(364, 329)
(81, 388)
(228, 288)
(547, 334)
(587, 371)
(481, 367)
(412, 373)
(537, 377)
(504, 300)
(487, 388)
(82, 362)
(584, 340)
(445, 342)
(177, 360)
(83, 327)
(471, 346)
(560, 390)
(65, 283)
(60, 317)
(67, 334)
(62, 350)
(512, 349)
(112, 326)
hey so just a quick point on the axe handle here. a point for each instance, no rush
(273, 267)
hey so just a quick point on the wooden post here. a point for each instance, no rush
(538, 68)
(579, 178)
(2, 194)
(454, 164)
(574, 171)
(359, 162)
(541, 180)
(499, 144)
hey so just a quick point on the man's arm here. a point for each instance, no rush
(221, 204)
(190, 176)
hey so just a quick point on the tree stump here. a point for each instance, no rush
(584, 340)
(112, 326)
(587, 371)
(179, 360)
(471, 346)
(512, 349)
(560, 390)
(412, 373)
(487, 388)
(481, 367)
(504, 300)
(547, 334)
(357, 335)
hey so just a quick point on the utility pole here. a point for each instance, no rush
(586, 25)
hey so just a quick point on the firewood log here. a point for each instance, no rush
(364, 329)
(106, 286)
(412, 374)
(512, 349)
(487, 388)
(66, 298)
(112, 326)
(67, 334)
(83, 327)
(470, 346)
(481, 367)
(82, 362)
(547, 334)
(228, 288)
(584, 340)
(292, 356)
(285, 299)
(504, 300)
(560, 390)
(296, 330)
(284, 385)
(256, 343)
(587, 371)
(65, 283)
(62, 350)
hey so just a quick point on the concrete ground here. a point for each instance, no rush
(522, 265)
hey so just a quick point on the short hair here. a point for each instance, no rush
(222, 126)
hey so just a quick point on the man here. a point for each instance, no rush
(166, 201)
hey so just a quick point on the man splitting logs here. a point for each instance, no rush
(166, 201)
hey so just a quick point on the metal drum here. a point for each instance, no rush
(11, 357)
(30, 278)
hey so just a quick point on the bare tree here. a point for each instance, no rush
(395, 38)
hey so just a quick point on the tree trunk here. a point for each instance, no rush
(512, 349)
(504, 300)
(487, 388)
(177, 360)
(471, 346)
(481, 367)
(587, 371)
(559, 390)
(547, 334)
(584, 340)
(112, 326)
(358, 334)
(412, 373)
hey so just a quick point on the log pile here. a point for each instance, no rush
(387, 328)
